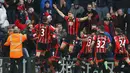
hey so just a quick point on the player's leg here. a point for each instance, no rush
(91, 61)
(77, 67)
(40, 49)
(71, 48)
(116, 63)
(62, 47)
(50, 62)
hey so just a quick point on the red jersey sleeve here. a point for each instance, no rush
(94, 37)
(108, 40)
(127, 41)
(19, 25)
(36, 27)
(52, 28)
(117, 44)
(66, 18)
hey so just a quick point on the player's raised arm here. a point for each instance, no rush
(86, 17)
(60, 13)
(83, 19)
(81, 39)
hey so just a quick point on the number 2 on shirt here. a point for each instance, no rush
(100, 44)
(122, 43)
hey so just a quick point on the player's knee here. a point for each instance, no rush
(91, 62)
(127, 60)
(116, 63)
(77, 63)
(62, 47)
(71, 47)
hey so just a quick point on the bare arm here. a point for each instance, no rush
(109, 46)
(86, 17)
(83, 19)
(60, 13)
(92, 45)
(84, 39)
(7, 43)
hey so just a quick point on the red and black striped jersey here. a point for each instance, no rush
(72, 25)
(44, 33)
(101, 43)
(89, 39)
(120, 43)
(86, 45)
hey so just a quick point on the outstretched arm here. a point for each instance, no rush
(60, 13)
(86, 17)
(82, 39)
(83, 19)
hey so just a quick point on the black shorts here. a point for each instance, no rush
(101, 56)
(70, 39)
(120, 56)
(88, 56)
(42, 46)
(47, 55)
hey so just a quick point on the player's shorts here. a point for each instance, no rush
(43, 47)
(70, 39)
(88, 56)
(120, 56)
(101, 56)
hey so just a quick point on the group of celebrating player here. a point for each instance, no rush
(95, 44)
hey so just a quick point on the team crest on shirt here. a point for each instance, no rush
(70, 23)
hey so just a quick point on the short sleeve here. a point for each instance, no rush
(66, 18)
(115, 38)
(7, 43)
(108, 40)
(35, 28)
(52, 28)
(127, 41)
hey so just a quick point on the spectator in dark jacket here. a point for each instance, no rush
(11, 10)
(103, 7)
(121, 20)
(93, 20)
(128, 24)
(29, 3)
(33, 16)
(77, 10)
(30, 43)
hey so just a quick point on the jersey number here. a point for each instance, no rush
(42, 32)
(89, 42)
(122, 43)
(100, 44)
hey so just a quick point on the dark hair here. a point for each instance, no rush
(44, 19)
(47, 2)
(70, 12)
(94, 25)
(93, 31)
(106, 19)
(118, 30)
(101, 27)
(89, 4)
